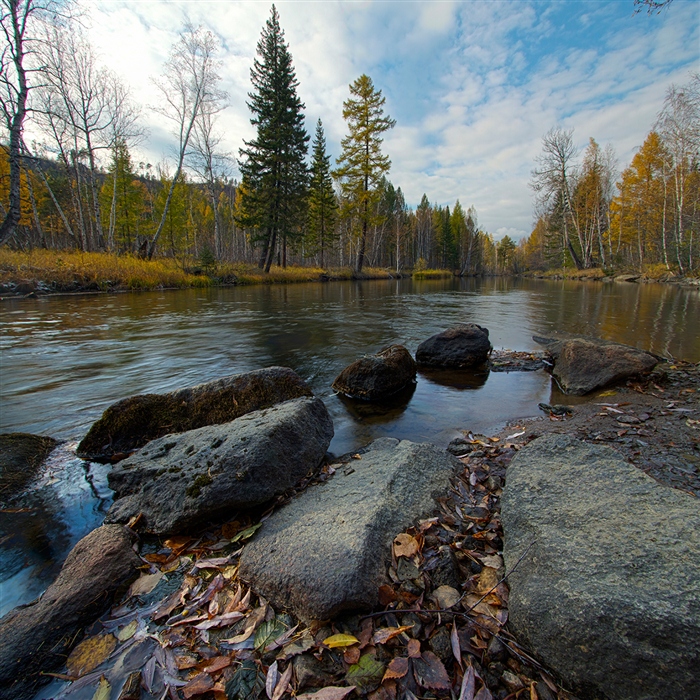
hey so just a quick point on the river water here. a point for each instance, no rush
(65, 359)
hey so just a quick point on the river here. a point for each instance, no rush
(65, 359)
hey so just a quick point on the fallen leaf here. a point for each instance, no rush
(220, 621)
(386, 595)
(144, 584)
(414, 649)
(382, 636)
(218, 663)
(430, 672)
(405, 545)
(247, 682)
(397, 668)
(454, 643)
(488, 579)
(366, 674)
(178, 544)
(298, 646)
(200, 684)
(283, 683)
(483, 694)
(468, 684)
(184, 660)
(128, 631)
(446, 596)
(340, 640)
(271, 680)
(330, 692)
(268, 632)
(104, 690)
(89, 654)
(352, 655)
(246, 534)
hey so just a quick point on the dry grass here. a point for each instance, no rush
(432, 274)
(61, 271)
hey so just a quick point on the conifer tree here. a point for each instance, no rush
(322, 202)
(362, 163)
(273, 164)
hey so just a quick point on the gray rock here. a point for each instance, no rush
(609, 594)
(583, 364)
(131, 423)
(326, 552)
(463, 345)
(377, 376)
(36, 638)
(182, 480)
(21, 455)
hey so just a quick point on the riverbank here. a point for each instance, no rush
(650, 273)
(444, 624)
(42, 272)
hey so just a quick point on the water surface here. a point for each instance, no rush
(65, 359)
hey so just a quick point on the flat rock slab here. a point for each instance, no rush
(182, 480)
(463, 345)
(326, 551)
(131, 423)
(609, 594)
(21, 455)
(379, 376)
(583, 364)
(37, 637)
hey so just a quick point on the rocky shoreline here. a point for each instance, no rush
(205, 617)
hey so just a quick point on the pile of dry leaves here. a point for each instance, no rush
(189, 628)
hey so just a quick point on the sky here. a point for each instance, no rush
(473, 86)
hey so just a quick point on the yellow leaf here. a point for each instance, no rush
(128, 631)
(609, 392)
(89, 654)
(104, 690)
(340, 640)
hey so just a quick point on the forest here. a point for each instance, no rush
(78, 187)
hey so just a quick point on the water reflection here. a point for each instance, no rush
(463, 380)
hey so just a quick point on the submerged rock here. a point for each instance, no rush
(131, 423)
(464, 345)
(185, 479)
(36, 638)
(326, 551)
(21, 455)
(377, 376)
(583, 364)
(608, 594)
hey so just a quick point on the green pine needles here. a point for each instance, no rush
(323, 206)
(273, 165)
(362, 163)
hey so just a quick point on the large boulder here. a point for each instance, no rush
(131, 423)
(463, 345)
(583, 364)
(608, 594)
(327, 550)
(35, 638)
(182, 480)
(379, 376)
(21, 455)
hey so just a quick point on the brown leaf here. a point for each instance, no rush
(382, 636)
(199, 685)
(397, 668)
(271, 680)
(330, 692)
(184, 660)
(89, 654)
(454, 643)
(468, 683)
(178, 544)
(218, 663)
(405, 545)
(283, 683)
(386, 691)
(483, 694)
(144, 584)
(386, 595)
(430, 672)
(414, 649)
(352, 655)
(446, 597)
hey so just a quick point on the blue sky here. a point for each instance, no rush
(473, 86)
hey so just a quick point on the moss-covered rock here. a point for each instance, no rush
(21, 455)
(130, 423)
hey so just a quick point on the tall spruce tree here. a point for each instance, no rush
(323, 206)
(273, 164)
(362, 162)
